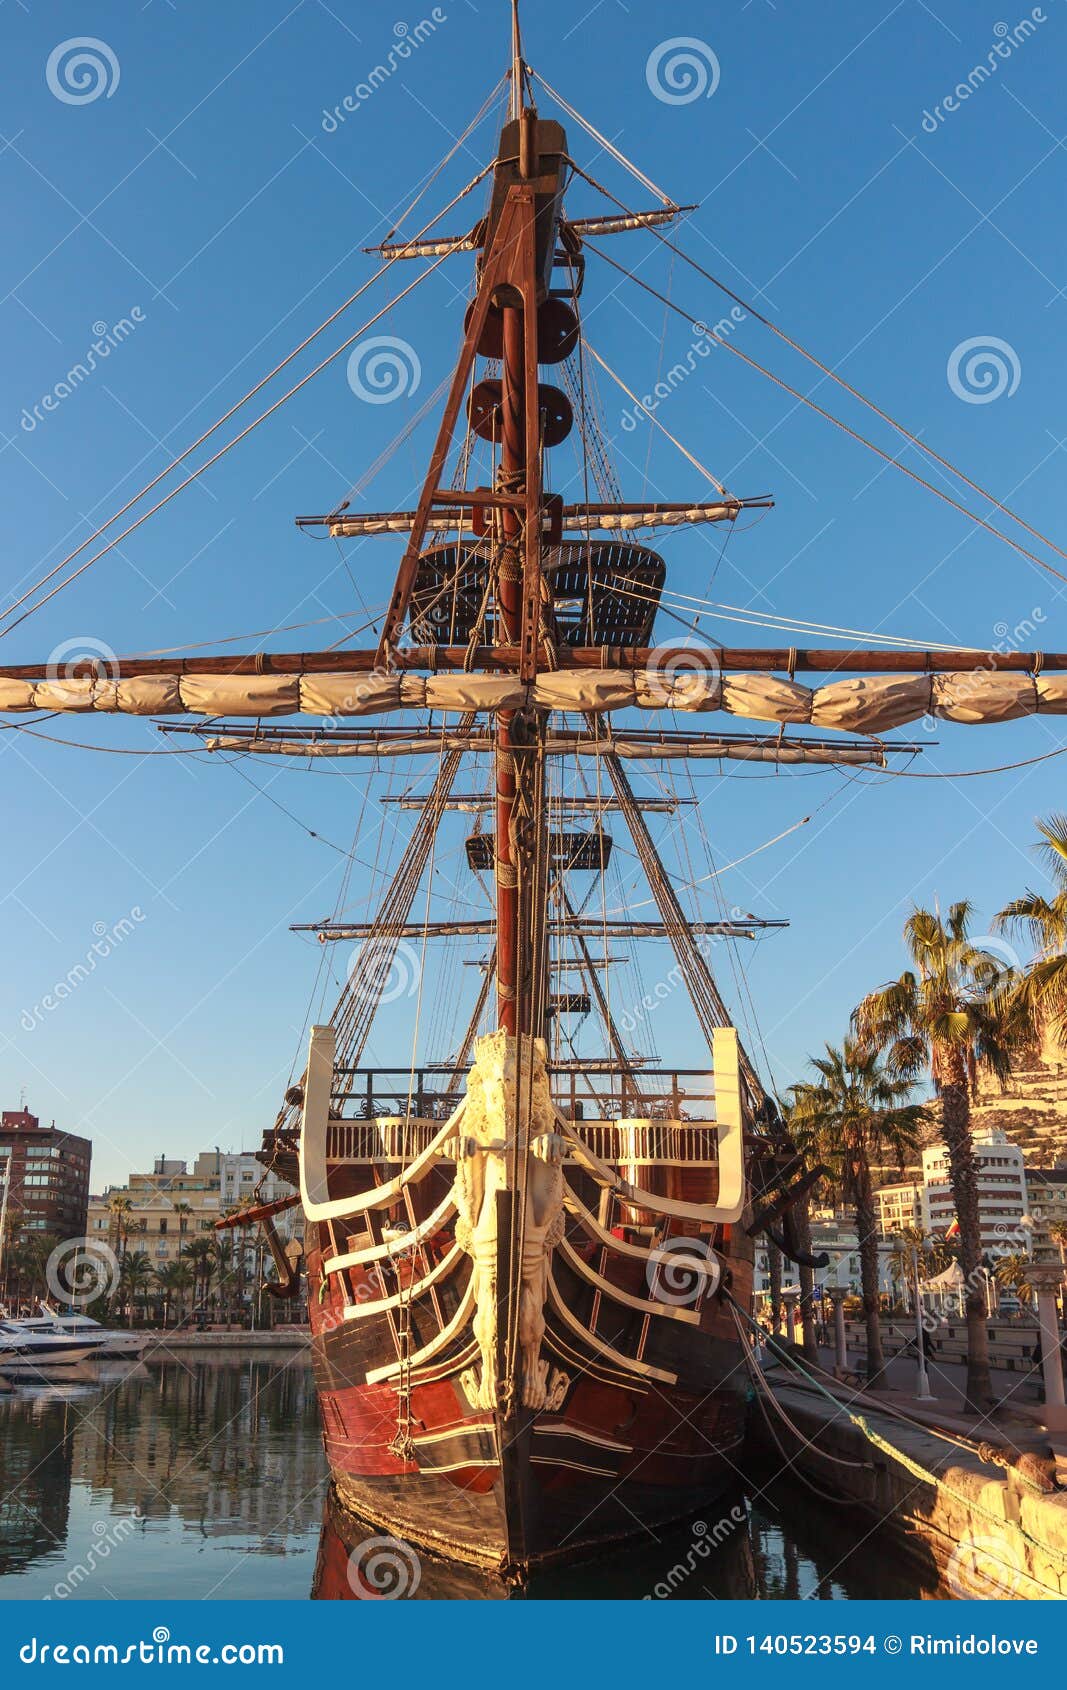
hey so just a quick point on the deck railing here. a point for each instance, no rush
(597, 1091)
(633, 1142)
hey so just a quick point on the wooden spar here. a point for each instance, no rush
(474, 802)
(733, 748)
(615, 223)
(823, 660)
(454, 510)
(590, 928)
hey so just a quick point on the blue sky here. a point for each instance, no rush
(202, 198)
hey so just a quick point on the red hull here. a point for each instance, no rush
(621, 1450)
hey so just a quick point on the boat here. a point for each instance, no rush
(528, 1259)
(37, 1353)
(107, 1343)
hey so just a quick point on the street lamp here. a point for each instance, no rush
(922, 1382)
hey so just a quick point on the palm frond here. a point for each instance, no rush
(1053, 848)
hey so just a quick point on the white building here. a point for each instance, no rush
(1047, 1189)
(836, 1235)
(898, 1206)
(239, 1175)
(1002, 1191)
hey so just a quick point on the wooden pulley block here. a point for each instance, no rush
(484, 408)
(557, 331)
(491, 340)
(557, 417)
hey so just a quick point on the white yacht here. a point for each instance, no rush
(36, 1351)
(104, 1342)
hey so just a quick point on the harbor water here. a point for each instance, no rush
(202, 1476)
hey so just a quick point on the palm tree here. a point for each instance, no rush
(135, 1276)
(802, 1220)
(173, 1278)
(202, 1257)
(1042, 989)
(910, 1256)
(39, 1247)
(954, 1014)
(120, 1206)
(852, 1114)
(1058, 1233)
(1013, 1272)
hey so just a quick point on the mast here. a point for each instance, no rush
(520, 932)
(516, 63)
(510, 479)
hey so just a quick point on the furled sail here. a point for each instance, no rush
(575, 519)
(868, 704)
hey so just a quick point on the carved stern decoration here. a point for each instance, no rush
(509, 1143)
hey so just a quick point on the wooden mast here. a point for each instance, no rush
(519, 562)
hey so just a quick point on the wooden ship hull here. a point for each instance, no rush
(630, 1378)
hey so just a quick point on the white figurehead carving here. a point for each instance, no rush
(492, 1127)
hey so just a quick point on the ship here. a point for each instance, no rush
(523, 1266)
(528, 1260)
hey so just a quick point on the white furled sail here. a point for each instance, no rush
(868, 704)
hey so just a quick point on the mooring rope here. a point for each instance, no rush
(916, 1468)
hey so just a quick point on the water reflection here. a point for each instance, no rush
(211, 1464)
(205, 1477)
(741, 1550)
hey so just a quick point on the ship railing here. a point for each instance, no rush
(600, 1091)
(634, 1142)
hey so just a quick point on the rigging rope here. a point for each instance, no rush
(700, 983)
(916, 1468)
(805, 399)
(258, 387)
(247, 430)
(630, 394)
(811, 357)
(603, 141)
